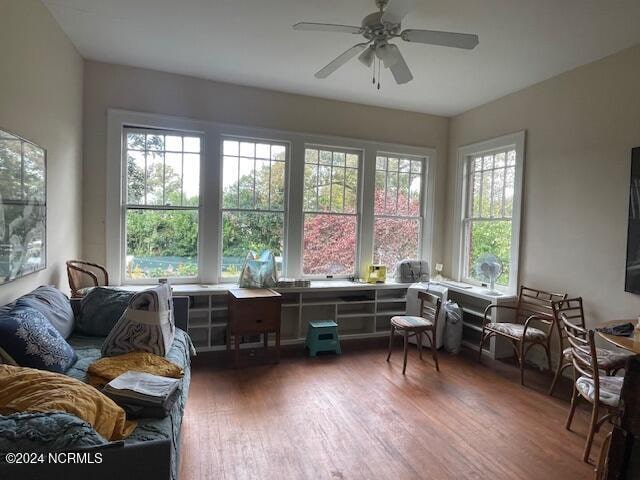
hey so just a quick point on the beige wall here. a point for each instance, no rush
(41, 100)
(580, 127)
(114, 86)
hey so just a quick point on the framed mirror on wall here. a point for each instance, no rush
(23, 207)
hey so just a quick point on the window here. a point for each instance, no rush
(179, 210)
(492, 182)
(253, 201)
(397, 209)
(162, 203)
(330, 211)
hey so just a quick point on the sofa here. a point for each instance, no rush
(152, 450)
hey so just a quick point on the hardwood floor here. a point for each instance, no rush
(357, 417)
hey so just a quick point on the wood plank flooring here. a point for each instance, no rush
(357, 417)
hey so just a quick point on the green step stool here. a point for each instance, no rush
(322, 336)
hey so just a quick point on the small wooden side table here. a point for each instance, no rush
(253, 312)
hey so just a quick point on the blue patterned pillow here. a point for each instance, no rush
(29, 339)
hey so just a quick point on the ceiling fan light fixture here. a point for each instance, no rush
(388, 54)
(366, 57)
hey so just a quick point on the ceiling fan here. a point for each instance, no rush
(378, 29)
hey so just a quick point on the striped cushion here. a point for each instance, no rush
(409, 321)
(516, 329)
(607, 359)
(610, 388)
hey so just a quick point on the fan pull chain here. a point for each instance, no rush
(378, 74)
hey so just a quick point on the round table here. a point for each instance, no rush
(626, 343)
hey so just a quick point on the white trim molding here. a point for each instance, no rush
(210, 244)
(514, 141)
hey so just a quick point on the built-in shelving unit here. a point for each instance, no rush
(473, 301)
(360, 310)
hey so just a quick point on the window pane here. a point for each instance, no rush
(173, 143)
(329, 244)
(380, 195)
(494, 237)
(191, 183)
(155, 142)
(136, 141)
(135, 177)
(173, 178)
(247, 231)
(263, 151)
(311, 155)
(352, 160)
(246, 183)
(161, 244)
(155, 177)
(325, 157)
(277, 185)
(278, 152)
(192, 144)
(263, 173)
(337, 190)
(310, 187)
(230, 182)
(395, 239)
(351, 191)
(414, 195)
(247, 149)
(230, 147)
(10, 170)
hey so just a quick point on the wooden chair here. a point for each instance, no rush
(531, 306)
(608, 360)
(602, 391)
(410, 326)
(83, 274)
(620, 454)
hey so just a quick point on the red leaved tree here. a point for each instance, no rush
(330, 240)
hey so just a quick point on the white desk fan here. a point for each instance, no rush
(489, 268)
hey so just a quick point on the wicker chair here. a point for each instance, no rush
(532, 306)
(608, 360)
(602, 391)
(83, 274)
(410, 326)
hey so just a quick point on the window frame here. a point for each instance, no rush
(422, 210)
(209, 245)
(222, 209)
(126, 207)
(357, 214)
(514, 141)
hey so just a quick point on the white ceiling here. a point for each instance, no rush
(251, 42)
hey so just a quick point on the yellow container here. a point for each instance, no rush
(376, 274)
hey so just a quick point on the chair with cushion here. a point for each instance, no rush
(83, 275)
(411, 326)
(532, 307)
(608, 360)
(601, 391)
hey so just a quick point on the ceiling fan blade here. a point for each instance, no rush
(444, 39)
(366, 57)
(398, 66)
(396, 10)
(340, 60)
(326, 27)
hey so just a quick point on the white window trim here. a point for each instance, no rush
(209, 242)
(514, 141)
(425, 187)
(287, 168)
(358, 213)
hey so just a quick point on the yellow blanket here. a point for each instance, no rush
(106, 369)
(29, 390)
